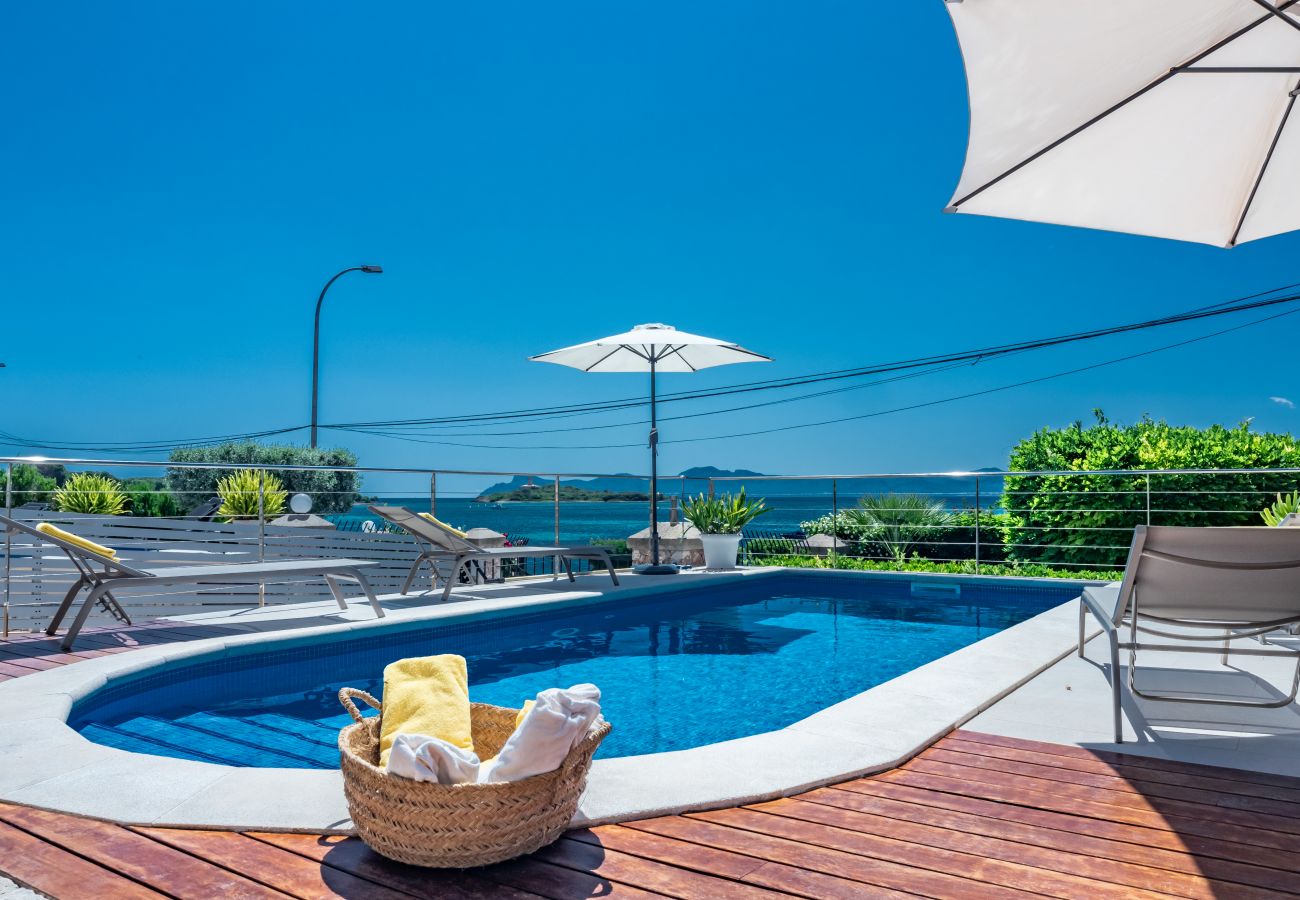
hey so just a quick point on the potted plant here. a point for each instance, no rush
(719, 520)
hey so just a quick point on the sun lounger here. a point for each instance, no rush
(105, 574)
(438, 543)
(1209, 585)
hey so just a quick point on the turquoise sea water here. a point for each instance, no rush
(582, 522)
(677, 670)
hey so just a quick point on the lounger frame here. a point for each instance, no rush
(437, 543)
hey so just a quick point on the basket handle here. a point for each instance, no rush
(346, 695)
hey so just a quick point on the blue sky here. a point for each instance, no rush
(180, 179)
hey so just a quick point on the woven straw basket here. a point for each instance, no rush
(457, 825)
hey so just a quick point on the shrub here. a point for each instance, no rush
(91, 492)
(150, 497)
(1285, 505)
(30, 485)
(239, 495)
(724, 514)
(331, 492)
(1088, 520)
(966, 567)
(896, 522)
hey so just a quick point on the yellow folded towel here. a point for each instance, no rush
(426, 695)
(528, 704)
(76, 539)
(442, 524)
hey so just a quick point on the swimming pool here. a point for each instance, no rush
(678, 669)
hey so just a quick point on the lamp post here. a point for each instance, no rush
(315, 339)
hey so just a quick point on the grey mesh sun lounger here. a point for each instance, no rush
(103, 575)
(438, 543)
(1209, 585)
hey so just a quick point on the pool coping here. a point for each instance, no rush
(51, 766)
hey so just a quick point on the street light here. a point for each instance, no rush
(315, 340)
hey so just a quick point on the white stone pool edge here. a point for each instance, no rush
(48, 765)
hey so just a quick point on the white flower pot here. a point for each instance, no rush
(720, 550)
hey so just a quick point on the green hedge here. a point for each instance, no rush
(1023, 570)
(331, 492)
(956, 541)
(1088, 520)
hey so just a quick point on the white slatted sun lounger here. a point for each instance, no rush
(438, 543)
(105, 574)
(1210, 585)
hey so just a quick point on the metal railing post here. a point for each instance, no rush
(555, 561)
(977, 524)
(1148, 498)
(433, 494)
(9, 513)
(835, 520)
(711, 489)
(261, 533)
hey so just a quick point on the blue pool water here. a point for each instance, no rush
(677, 670)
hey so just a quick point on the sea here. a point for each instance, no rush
(583, 521)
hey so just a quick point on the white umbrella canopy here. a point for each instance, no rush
(652, 348)
(633, 351)
(1170, 118)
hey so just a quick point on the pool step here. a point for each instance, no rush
(217, 739)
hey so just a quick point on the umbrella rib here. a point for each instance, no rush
(1121, 104)
(603, 358)
(1277, 11)
(1259, 179)
(677, 351)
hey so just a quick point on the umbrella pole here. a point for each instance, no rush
(654, 469)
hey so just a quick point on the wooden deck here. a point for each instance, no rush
(973, 816)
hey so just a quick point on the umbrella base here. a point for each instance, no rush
(662, 569)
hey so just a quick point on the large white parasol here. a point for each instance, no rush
(1171, 118)
(651, 348)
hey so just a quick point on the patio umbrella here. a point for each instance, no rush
(654, 349)
(1170, 118)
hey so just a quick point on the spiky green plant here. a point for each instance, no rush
(727, 514)
(90, 492)
(1281, 508)
(899, 521)
(239, 493)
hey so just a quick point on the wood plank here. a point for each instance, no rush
(1024, 796)
(1113, 782)
(351, 855)
(1052, 834)
(1132, 759)
(708, 860)
(288, 872)
(662, 877)
(963, 855)
(865, 869)
(559, 882)
(1214, 846)
(163, 868)
(57, 873)
(1184, 809)
(818, 885)
(1124, 770)
(958, 835)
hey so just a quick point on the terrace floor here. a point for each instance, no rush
(973, 816)
(1032, 800)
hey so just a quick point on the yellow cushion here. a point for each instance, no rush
(528, 704)
(75, 539)
(439, 522)
(426, 695)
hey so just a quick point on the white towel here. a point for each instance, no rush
(425, 758)
(557, 723)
